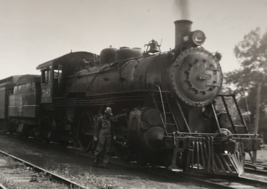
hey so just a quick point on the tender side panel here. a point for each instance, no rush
(13, 108)
(29, 106)
(3, 103)
(24, 104)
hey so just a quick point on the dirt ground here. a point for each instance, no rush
(14, 175)
(80, 170)
(262, 155)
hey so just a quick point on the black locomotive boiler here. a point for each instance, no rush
(164, 105)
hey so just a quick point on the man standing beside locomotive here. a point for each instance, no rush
(103, 137)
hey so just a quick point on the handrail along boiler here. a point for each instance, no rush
(164, 104)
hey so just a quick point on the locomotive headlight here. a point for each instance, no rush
(198, 37)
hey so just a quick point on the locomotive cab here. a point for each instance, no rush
(55, 74)
(46, 84)
(51, 82)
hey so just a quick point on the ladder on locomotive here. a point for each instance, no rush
(162, 103)
(234, 126)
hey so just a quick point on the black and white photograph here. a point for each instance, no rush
(133, 94)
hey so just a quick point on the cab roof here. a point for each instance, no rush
(72, 59)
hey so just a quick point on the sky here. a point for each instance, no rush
(35, 31)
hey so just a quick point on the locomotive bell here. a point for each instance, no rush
(153, 47)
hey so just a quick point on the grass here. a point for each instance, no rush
(14, 164)
(87, 179)
(8, 182)
(20, 169)
(74, 173)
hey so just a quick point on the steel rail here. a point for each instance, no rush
(243, 180)
(256, 169)
(192, 178)
(217, 181)
(2, 186)
(70, 183)
(207, 180)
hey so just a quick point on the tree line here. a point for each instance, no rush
(249, 81)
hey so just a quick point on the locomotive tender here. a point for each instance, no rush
(164, 105)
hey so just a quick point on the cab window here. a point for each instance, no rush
(15, 89)
(57, 73)
(45, 76)
(19, 88)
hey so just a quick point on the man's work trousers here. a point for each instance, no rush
(102, 149)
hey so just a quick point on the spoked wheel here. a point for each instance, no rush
(85, 131)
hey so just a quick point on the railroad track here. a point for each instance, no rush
(259, 168)
(258, 164)
(49, 174)
(218, 182)
(238, 182)
(2, 186)
(257, 171)
(224, 182)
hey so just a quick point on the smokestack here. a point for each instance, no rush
(182, 28)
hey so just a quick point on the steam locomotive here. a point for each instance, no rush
(165, 105)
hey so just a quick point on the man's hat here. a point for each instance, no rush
(108, 111)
